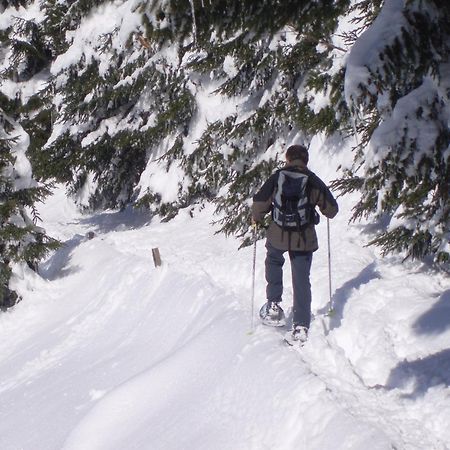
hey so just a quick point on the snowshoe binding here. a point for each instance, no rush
(297, 336)
(272, 314)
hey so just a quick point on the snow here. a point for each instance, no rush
(22, 167)
(229, 66)
(33, 11)
(84, 194)
(405, 117)
(105, 19)
(210, 107)
(108, 352)
(365, 51)
(167, 183)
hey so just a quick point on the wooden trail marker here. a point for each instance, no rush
(156, 257)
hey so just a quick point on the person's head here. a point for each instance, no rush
(297, 152)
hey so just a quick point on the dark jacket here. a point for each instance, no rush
(319, 195)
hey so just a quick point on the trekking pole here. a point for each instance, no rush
(330, 304)
(253, 280)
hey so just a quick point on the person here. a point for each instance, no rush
(300, 242)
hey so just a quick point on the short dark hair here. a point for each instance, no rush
(297, 152)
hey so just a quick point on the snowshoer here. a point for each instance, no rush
(291, 194)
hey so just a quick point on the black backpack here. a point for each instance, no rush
(292, 210)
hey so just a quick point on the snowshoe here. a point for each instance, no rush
(297, 336)
(272, 314)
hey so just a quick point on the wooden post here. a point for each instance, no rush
(156, 257)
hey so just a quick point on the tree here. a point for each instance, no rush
(125, 115)
(267, 56)
(28, 55)
(21, 241)
(396, 83)
(129, 105)
(118, 104)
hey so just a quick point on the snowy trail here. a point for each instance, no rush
(108, 352)
(375, 405)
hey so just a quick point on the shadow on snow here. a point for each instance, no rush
(128, 218)
(423, 373)
(342, 294)
(57, 265)
(437, 319)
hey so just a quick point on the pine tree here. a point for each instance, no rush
(113, 114)
(107, 137)
(263, 54)
(28, 56)
(21, 240)
(127, 106)
(285, 46)
(7, 297)
(400, 111)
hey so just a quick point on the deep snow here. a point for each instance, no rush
(108, 352)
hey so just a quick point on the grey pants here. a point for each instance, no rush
(300, 267)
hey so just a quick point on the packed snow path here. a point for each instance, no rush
(108, 352)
